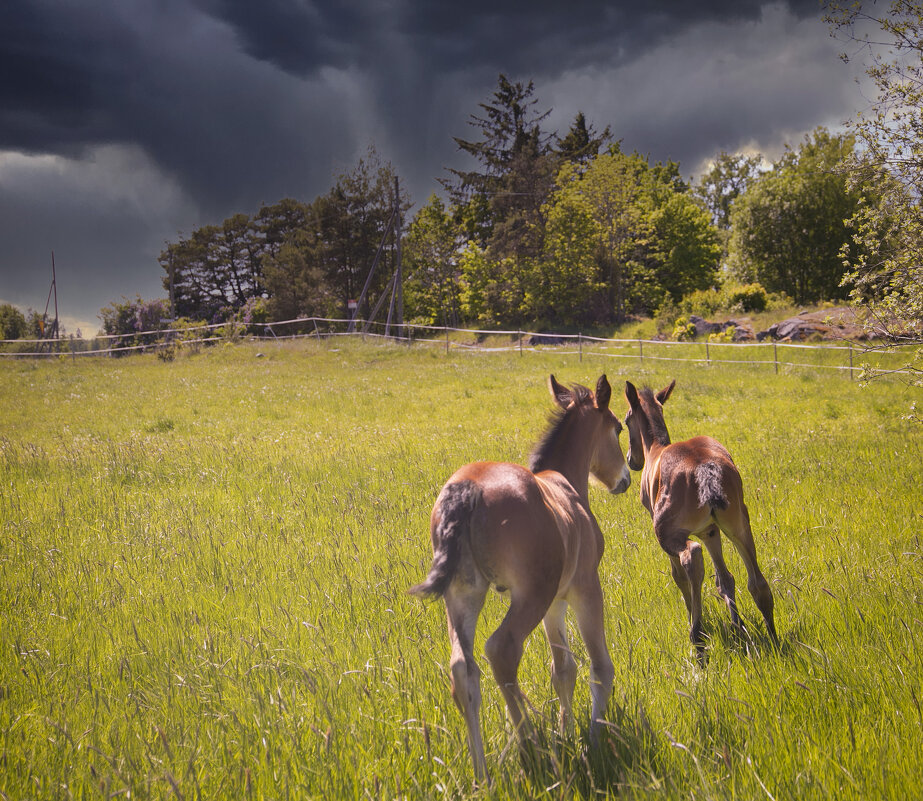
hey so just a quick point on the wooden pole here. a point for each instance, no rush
(399, 280)
(368, 281)
(54, 285)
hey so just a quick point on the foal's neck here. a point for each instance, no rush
(569, 451)
(655, 433)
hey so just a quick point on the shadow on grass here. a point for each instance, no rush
(750, 640)
(626, 752)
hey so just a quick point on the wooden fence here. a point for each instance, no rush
(843, 356)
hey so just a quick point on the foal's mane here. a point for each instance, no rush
(654, 415)
(557, 424)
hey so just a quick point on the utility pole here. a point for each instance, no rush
(399, 278)
(368, 281)
(54, 285)
(52, 291)
(396, 307)
(172, 291)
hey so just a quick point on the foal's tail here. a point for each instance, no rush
(711, 491)
(457, 504)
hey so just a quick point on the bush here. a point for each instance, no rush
(12, 322)
(703, 302)
(722, 336)
(733, 298)
(747, 298)
(683, 330)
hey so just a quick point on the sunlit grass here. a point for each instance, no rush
(204, 567)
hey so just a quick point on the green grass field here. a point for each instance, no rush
(204, 564)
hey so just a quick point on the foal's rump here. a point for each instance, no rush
(493, 519)
(699, 483)
(451, 522)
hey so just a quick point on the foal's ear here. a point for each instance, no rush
(665, 393)
(561, 395)
(603, 393)
(631, 395)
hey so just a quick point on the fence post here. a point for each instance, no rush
(641, 351)
(580, 344)
(852, 376)
(447, 339)
(775, 355)
(520, 343)
(707, 358)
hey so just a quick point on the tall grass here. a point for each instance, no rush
(204, 567)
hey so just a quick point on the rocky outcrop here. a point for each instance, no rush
(826, 324)
(743, 331)
(545, 339)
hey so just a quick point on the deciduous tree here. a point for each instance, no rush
(885, 266)
(790, 226)
(12, 322)
(431, 286)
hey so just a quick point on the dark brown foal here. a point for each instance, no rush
(693, 489)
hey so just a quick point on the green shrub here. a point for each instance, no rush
(683, 330)
(703, 302)
(747, 298)
(723, 336)
(733, 298)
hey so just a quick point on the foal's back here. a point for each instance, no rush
(531, 528)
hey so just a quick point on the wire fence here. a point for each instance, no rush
(841, 356)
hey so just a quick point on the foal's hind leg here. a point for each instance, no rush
(504, 649)
(737, 527)
(463, 604)
(688, 569)
(724, 581)
(563, 664)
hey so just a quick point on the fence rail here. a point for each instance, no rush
(830, 357)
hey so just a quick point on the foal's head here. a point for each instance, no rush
(645, 421)
(607, 462)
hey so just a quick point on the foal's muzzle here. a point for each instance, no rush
(633, 462)
(624, 483)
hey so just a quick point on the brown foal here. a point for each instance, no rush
(693, 489)
(529, 531)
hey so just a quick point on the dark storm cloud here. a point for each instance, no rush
(532, 37)
(125, 121)
(179, 80)
(300, 37)
(170, 80)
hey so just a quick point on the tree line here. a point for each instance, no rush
(546, 229)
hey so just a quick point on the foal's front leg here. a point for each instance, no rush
(688, 569)
(694, 566)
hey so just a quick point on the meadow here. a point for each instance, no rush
(204, 565)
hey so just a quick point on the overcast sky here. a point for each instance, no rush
(126, 122)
